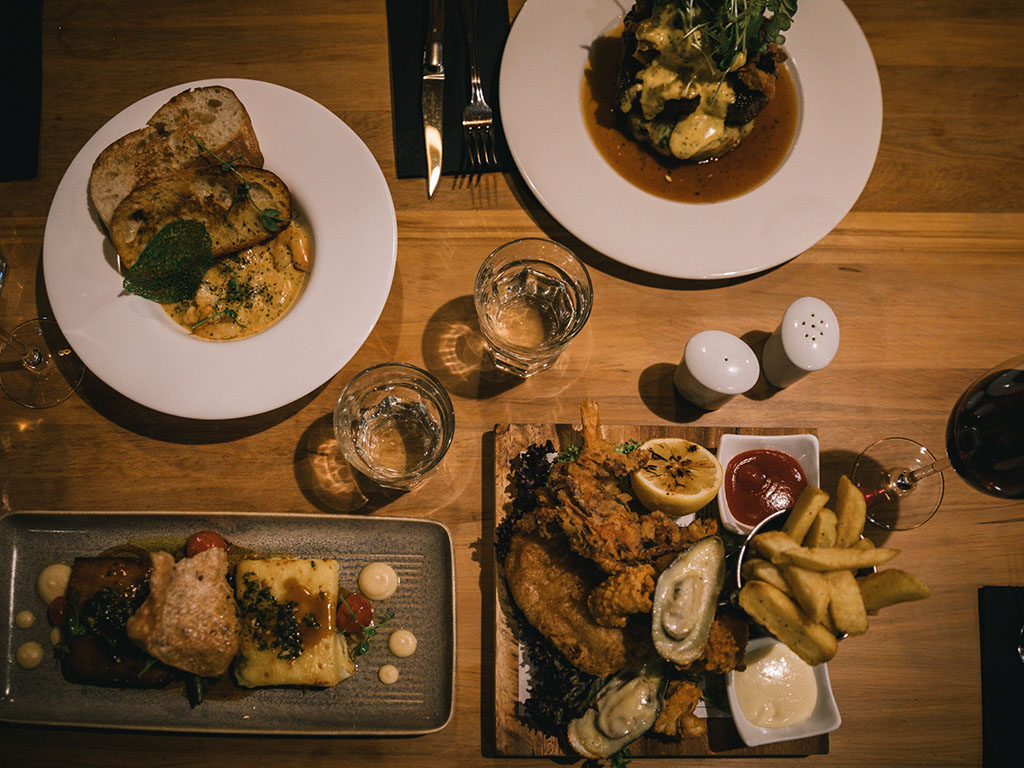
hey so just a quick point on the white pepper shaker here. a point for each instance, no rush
(806, 340)
(716, 366)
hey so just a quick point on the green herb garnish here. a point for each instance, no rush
(370, 632)
(271, 218)
(172, 265)
(733, 27)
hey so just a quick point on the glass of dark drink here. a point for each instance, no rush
(903, 482)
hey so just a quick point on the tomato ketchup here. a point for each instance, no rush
(762, 482)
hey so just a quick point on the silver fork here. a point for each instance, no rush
(477, 118)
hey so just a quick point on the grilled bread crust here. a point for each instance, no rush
(213, 114)
(208, 195)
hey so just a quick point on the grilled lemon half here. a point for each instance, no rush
(678, 478)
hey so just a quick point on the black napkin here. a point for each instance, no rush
(407, 33)
(1000, 616)
(21, 57)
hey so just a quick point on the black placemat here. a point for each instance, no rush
(1000, 616)
(21, 57)
(407, 32)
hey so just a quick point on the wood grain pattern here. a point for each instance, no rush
(924, 274)
(513, 737)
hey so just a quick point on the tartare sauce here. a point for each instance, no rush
(388, 674)
(778, 688)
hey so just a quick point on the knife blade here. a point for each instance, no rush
(433, 94)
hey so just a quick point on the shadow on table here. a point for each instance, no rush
(146, 422)
(328, 481)
(455, 352)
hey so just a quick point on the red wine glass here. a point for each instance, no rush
(902, 480)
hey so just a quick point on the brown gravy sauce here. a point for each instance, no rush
(745, 168)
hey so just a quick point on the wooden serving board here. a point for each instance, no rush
(513, 738)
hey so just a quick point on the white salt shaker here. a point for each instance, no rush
(806, 340)
(716, 366)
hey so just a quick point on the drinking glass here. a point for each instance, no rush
(36, 375)
(532, 297)
(902, 481)
(394, 423)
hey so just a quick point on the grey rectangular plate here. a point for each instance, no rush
(420, 551)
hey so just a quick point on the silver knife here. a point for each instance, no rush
(433, 93)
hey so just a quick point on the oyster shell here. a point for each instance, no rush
(623, 711)
(685, 599)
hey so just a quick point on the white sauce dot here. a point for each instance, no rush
(24, 619)
(53, 582)
(388, 674)
(55, 636)
(402, 643)
(29, 655)
(378, 581)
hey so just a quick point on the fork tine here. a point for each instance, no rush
(489, 153)
(471, 147)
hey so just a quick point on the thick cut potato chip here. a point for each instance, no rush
(888, 587)
(834, 558)
(804, 511)
(777, 613)
(851, 511)
(771, 544)
(756, 568)
(846, 605)
(822, 532)
(811, 590)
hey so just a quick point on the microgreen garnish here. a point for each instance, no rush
(271, 218)
(736, 26)
(370, 632)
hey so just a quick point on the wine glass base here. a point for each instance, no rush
(890, 505)
(54, 381)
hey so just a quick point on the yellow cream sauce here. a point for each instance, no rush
(247, 292)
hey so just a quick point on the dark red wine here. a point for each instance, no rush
(985, 434)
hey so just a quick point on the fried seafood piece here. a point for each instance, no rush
(677, 719)
(189, 620)
(551, 585)
(615, 599)
(726, 646)
(584, 500)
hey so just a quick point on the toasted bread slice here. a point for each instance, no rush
(213, 114)
(208, 195)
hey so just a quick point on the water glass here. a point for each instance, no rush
(394, 423)
(532, 297)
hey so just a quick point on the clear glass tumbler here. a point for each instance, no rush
(532, 297)
(394, 423)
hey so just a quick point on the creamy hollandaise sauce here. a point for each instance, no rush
(247, 292)
(778, 689)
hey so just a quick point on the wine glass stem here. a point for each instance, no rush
(31, 357)
(917, 475)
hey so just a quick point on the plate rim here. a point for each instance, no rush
(814, 209)
(257, 374)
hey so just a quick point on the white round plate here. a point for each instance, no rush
(827, 167)
(133, 346)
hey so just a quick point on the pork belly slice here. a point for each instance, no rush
(189, 621)
(102, 593)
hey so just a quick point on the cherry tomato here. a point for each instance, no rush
(202, 541)
(355, 613)
(57, 611)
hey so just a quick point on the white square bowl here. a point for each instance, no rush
(802, 447)
(824, 719)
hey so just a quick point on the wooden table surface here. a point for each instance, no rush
(925, 275)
